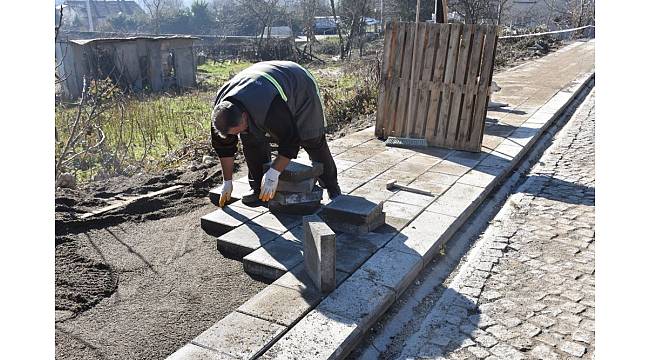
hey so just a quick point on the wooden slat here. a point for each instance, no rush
(386, 74)
(393, 91)
(399, 127)
(450, 68)
(425, 93)
(459, 79)
(471, 87)
(482, 97)
(421, 31)
(438, 76)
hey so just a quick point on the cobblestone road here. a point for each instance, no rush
(527, 289)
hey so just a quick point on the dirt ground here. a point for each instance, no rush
(140, 281)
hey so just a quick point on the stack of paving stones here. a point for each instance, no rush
(296, 193)
(353, 214)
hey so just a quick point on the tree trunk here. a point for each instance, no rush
(338, 29)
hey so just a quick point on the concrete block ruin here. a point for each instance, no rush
(296, 192)
(156, 63)
(320, 253)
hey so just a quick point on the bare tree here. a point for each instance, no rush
(472, 11)
(501, 8)
(338, 29)
(155, 10)
(572, 13)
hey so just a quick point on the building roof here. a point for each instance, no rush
(132, 38)
(105, 9)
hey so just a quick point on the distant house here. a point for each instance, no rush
(325, 25)
(134, 63)
(77, 14)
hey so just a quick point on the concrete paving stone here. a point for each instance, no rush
(528, 330)
(412, 166)
(424, 235)
(478, 351)
(458, 200)
(481, 320)
(244, 239)
(505, 351)
(544, 352)
(362, 175)
(393, 268)
(466, 158)
(497, 161)
(279, 222)
(342, 165)
(348, 184)
(351, 209)
(345, 227)
(279, 305)
(290, 198)
(450, 167)
(572, 348)
(239, 335)
(319, 253)
(319, 335)
(479, 177)
(195, 352)
(391, 156)
(223, 220)
(407, 197)
(542, 320)
(299, 170)
(359, 299)
(273, 259)
(486, 340)
(372, 166)
(258, 208)
(358, 154)
(401, 210)
(298, 279)
(582, 336)
(521, 344)
(402, 177)
(352, 251)
(302, 209)
(303, 186)
(509, 148)
(501, 332)
(374, 190)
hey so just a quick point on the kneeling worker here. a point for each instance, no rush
(275, 101)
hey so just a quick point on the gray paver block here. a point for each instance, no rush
(393, 268)
(273, 259)
(258, 208)
(291, 198)
(352, 251)
(195, 352)
(294, 209)
(459, 200)
(320, 253)
(280, 222)
(298, 279)
(279, 304)
(245, 239)
(407, 197)
(450, 167)
(359, 299)
(298, 170)
(351, 209)
(319, 335)
(239, 335)
(223, 220)
(424, 235)
(358, 229)
(479, 176)
(239, 189)
(302, 186)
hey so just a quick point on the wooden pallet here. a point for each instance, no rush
(438, 87)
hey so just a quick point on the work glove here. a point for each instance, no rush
(269, 184)
(226, 191)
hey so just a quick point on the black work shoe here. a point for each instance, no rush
(252, 199)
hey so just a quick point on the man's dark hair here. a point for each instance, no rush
(225, 116)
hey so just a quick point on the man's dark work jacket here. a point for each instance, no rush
(282, 99)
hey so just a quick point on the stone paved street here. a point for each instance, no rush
(527, 289)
